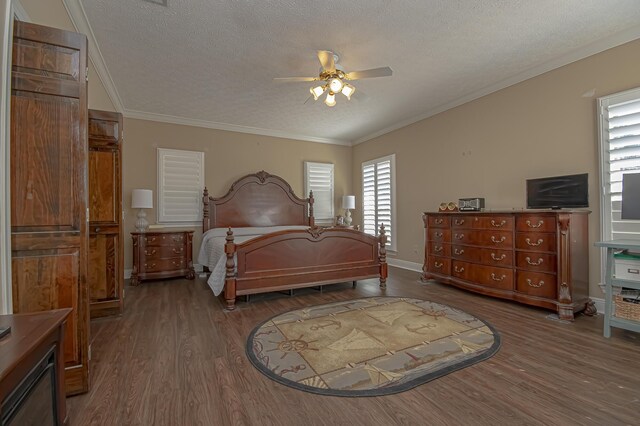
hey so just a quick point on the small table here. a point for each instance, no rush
(611, 280)
(162, 254)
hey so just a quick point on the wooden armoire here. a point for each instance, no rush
(106, 254)
(49, 211)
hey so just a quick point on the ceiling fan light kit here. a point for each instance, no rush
(334, 78)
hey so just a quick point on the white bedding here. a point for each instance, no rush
(212, 249)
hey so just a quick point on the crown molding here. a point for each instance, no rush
(19, 11)
(614, 40)
(78, 17)
(162, 118)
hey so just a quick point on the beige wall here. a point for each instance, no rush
(228, 156)
(489, 147)
(52, 13)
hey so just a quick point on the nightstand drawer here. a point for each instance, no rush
(156, 265)
(161, 252)
(172, 239)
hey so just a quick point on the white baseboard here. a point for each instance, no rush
(404, 264)
(198, 268)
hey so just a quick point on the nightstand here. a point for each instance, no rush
(162, 254)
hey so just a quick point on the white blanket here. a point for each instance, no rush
(212, 250)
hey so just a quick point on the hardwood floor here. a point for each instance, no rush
(176, 358)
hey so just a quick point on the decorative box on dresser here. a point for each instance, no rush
(163, 254)
(538, 258)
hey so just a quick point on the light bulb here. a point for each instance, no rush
(317, 92)
(348, 90)
(331, 99)
(335, 85)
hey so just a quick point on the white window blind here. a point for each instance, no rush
(180, 185)
(318, 177)
(378, 195)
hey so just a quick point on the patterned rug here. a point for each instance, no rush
(369, 347)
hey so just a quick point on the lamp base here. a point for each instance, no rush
(142, 225)
(347, 217)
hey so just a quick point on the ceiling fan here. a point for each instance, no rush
(333, 78)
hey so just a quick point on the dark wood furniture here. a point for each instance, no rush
(49, 211)
(288, 259)
(162, 254)
(539, 258)
(32, 369)
(106, 253)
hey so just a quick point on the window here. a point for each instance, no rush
(180, 185)
(318, 177)
(619, 155)
(378, 196)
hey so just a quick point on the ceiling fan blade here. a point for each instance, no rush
(285, 79)
(374, 72)
(326, 59)
(360, 96)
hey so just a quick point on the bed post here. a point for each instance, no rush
(205, 211)
(383, 258)
(230, 279)
(312, 221)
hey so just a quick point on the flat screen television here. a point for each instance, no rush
(558, 192)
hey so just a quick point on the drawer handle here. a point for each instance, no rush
(536, 244)
(458, 252)
(501, 240)
(439, 221)
(495, 278)
(460, 269)
(530, 262)
(177, 238)
(459, 222)
(458, 236)
(438, 265)
(538, 225)
(175, 250)
(153, 265)
(438, 234)
(531, 284)
(97, 229)
(150, 254)
(438, 249)
(152, 239)
(498, 225)
(177, 263)
(502, 257)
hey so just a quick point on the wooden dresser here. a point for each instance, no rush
(535, 257)
(164, 254)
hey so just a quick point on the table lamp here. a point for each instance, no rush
(142, 199)
(348, 203)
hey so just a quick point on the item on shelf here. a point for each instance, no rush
(443, 207)
(471, 204)
(452, 206)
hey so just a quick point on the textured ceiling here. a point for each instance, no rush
(214, 61)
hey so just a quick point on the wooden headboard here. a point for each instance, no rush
(258, 199)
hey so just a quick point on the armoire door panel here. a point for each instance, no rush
(104, 269)
(43, 163)
(45, 280)
(49, 180)
(103, 172)
(107, 131)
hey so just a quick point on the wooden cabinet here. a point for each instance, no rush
(32, 369)
(162, 255)
(106, 254)
(49, 239)
(535, 257)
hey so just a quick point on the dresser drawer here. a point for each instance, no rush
(537, 284)
(175, 240)
(440, 249)
(439, 221)
(488, 276)
(158, 252)
(463, 221)
(439, 265)
(502, 223)
(536, 223)
(439, 235)
(485, 256)
(487, 238)
(536, 241)
(172, 264)
(533, 261)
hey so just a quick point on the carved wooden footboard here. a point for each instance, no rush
(302, 258)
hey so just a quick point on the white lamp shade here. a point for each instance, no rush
(348, 201)
(142, 199)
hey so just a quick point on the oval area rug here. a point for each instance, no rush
(369, 347)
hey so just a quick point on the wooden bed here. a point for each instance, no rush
(292, 258)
